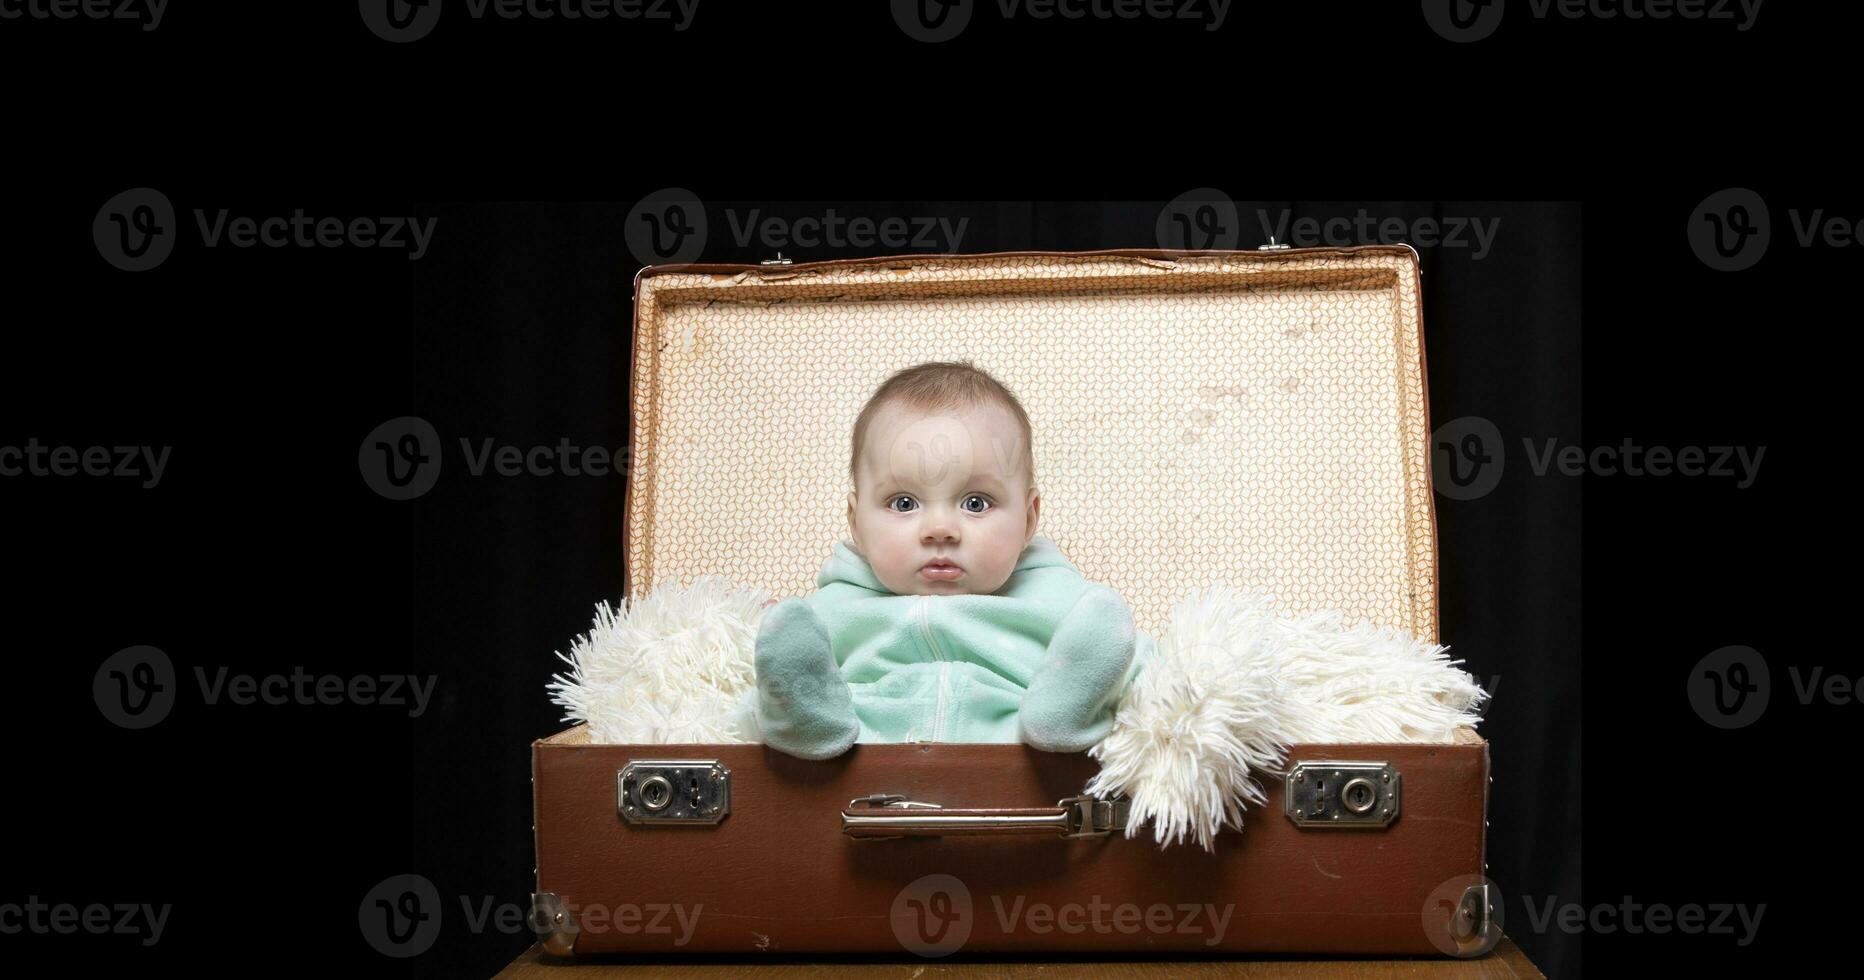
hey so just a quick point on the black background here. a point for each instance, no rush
(263, 550)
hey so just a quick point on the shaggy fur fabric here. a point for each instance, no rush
(668, 667)
(1234, 682)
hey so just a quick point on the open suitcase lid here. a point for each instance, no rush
(1252, 418)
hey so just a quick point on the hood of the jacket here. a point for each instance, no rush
(846, 565)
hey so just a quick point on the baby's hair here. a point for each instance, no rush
(936, 386)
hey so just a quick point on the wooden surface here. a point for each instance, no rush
(1507, 960)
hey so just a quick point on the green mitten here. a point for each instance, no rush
(803, 705)
(1070, 702)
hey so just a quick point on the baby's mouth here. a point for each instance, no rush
(941, 569)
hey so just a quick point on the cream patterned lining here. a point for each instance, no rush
(1256, 419)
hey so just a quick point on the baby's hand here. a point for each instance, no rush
(803, 704)
(1070, 702)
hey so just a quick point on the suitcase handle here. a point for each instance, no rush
(885, 816)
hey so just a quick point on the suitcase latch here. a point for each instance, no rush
(673, 791)
(1341, 794)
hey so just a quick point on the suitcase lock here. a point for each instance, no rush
(673, 791)
(1341, 794)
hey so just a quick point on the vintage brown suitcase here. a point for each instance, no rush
(1258, 418)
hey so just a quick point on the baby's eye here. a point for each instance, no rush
(896, 500)
(981, 499)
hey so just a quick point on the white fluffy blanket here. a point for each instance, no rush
(1233, 684)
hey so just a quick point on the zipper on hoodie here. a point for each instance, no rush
(944, 669)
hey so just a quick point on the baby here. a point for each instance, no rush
(945, 618)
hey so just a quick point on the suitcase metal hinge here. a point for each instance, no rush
(779, 260)
(1271, 246)
(556, 928)
(1089, 817)
(1472, 925)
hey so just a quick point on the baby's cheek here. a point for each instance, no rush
(900, 581)
(899, 570)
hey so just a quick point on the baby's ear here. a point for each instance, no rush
(1035, 515)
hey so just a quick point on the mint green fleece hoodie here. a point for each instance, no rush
(1044, 660)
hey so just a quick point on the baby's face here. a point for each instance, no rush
(949, 486)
